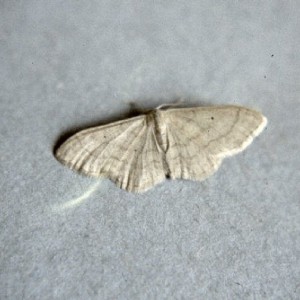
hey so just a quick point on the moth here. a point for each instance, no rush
(176, 143)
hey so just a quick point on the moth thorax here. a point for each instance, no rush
(159, 129)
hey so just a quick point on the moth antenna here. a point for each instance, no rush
(177, 103)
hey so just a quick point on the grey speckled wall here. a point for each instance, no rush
(70, 64)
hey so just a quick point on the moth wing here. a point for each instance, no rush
(125, 152)
(197, 139)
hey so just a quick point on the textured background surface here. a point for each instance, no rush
(70, 64)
